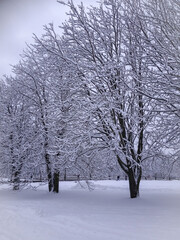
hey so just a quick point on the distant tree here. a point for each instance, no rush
(16, 132)
(34, 81)
(46, 80)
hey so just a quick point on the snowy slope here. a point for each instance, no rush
(106, 213)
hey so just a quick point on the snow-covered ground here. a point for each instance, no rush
(106, 213)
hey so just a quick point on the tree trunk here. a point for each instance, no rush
(50, 181)
(134, 181)
(49, 172)
(16, 180)
(56, 181)
(134, 174)
(16, 172)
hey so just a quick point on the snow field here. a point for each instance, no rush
(105, 213)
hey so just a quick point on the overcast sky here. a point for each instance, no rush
(19, 19)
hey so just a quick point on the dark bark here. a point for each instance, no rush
(49, 173)
(134, 176)
(134, 181)
(16, 180)
(50, 182)
(16, 172)
(56, 181)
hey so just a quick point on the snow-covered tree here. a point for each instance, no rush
(47, 81)
(163, 48)
(17, 137)
(107, 48)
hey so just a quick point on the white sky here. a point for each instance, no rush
(19, 19)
